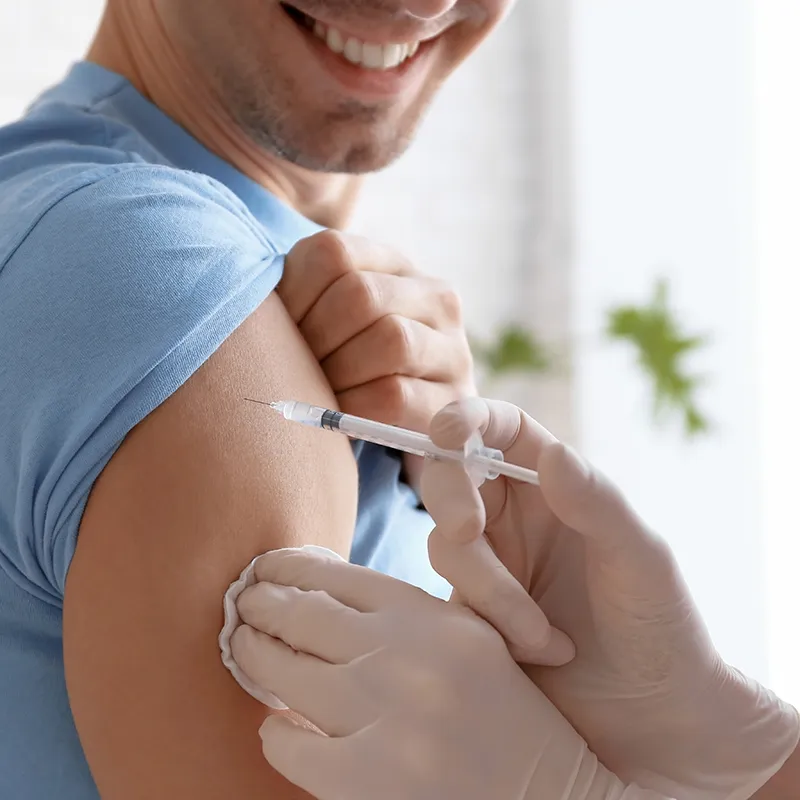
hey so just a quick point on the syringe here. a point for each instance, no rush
(486, 461)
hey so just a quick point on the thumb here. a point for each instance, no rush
(298, 753)
(642, 578)
(587, 501)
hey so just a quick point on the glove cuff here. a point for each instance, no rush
(749, 735)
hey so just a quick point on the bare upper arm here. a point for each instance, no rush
(199, 488)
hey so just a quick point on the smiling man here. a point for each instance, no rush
(151, 203)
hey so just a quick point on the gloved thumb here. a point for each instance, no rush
(587, 501)
(303, 756)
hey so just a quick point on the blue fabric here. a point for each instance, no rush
(128, 253)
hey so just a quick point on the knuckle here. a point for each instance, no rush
(399, 339)
(662, 556)
(451, 302)
(362, 294)
(243, 641)
(465, 361)
(394, 397)
(330, 250)
(270, 565)
(291, 568)
(660, 547)
(406, 265)
(298, 607)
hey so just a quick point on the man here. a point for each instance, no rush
(148, 202)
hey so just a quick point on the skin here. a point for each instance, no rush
(191, 496)
(207, 482)
(783, 785)
(241, 78)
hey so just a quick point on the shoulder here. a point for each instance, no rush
(140, 256)
(134, 239)
(143, 206)
(110, 301)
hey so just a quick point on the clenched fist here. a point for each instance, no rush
(390, 341)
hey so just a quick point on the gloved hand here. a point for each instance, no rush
(647, 688)
(418, 698)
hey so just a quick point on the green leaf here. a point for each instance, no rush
(660, 344)
(514, 350)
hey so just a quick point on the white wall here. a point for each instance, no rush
(777, 133)
(38, 40)
(663, 160)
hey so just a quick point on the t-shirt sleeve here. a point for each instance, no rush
(116, 296)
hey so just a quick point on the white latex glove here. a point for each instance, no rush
(647, 688)
(419, 698)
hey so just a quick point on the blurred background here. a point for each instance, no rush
(591, 151)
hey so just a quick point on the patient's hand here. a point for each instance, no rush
(390, 341)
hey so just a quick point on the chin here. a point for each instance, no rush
(354, 159)
(340, 143)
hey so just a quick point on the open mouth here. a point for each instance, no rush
(368, 55)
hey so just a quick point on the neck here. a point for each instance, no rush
(133, 42)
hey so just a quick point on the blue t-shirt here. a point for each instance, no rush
(128, 253)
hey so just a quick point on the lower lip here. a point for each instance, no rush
(370, 83)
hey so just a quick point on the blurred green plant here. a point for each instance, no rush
(514, 350)
(661, 347)
(651, 329)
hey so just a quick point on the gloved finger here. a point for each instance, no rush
(643, 565)
(313, 688)
(312, 622)
(588, 502)
(317, 764)
(502, 425)
(483, 583)
(452, 499)
(358, 587)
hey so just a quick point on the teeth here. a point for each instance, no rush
(392, 55)
(334, 40)
(353, 50)
(371, 55)
(368, 54)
